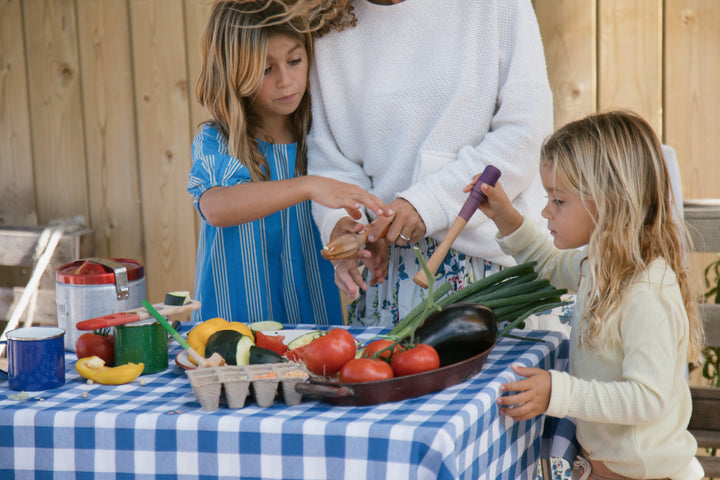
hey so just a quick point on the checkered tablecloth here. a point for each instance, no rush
(158, 430)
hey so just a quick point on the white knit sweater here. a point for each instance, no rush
(630, 399)
(422, 95)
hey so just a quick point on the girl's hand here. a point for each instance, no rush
(534, 393)
(405, 227)
(335, 194)
(498, 207)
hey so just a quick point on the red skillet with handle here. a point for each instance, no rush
(398, 388)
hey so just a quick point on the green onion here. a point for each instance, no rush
(513, 294)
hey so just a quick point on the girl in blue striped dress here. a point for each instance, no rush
(259, 250)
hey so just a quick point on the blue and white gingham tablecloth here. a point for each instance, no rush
(158, 430)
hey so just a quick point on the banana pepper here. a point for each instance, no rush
(93, 368)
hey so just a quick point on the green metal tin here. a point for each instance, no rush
(145, 341)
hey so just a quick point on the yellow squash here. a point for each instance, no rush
(197, 337)
(93, 368)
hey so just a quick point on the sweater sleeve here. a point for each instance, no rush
(651, 340)
(561, 267)
(328, 160)
(522, 119)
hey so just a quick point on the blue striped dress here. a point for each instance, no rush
(268, 269)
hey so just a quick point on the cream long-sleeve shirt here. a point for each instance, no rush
(630, 399)
(420, 96)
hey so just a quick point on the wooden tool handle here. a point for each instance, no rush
(489, 176)
(439, 255)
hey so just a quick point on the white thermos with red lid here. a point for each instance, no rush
(94, 287)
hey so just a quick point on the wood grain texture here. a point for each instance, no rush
(692, 93)
(630, 58)
(196, 16)
(569, 32)
(163, 125)
(108, 101)
(17, 199)
(56, 109)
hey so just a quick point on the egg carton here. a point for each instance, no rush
(237, 383)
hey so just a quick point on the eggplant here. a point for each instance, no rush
(459, 331)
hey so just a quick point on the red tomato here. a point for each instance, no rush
(90, 344)
(296, 354)
(365, 370)
(327, 354)
(378, 345)
(415, 360)
(276, 343)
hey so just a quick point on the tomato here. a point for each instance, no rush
(295, 354)
(276, 343)
(365, 370)
(378, 345)
(327, 354)
(94, 344)
(415, 360)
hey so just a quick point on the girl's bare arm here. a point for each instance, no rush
(245, 202)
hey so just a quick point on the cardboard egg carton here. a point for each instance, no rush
(238, 382)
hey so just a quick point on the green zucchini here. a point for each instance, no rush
(239, 349)
(177, 299)
(304, 339)
(258, 355)
(265, 326)
(243, 350)
(227, 344)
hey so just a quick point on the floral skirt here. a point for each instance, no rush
(385, 304)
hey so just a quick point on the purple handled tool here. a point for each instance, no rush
(490, 176)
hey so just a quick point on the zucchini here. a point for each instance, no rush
(227, 344)
(258, 355)
(304, 339)
(243, 350)
(177, 299)
(265, 326)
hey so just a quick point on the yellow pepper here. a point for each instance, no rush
(93, 368)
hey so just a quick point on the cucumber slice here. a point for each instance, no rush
(266, 326)
(177, 299)
(304, 339)
(242, 354)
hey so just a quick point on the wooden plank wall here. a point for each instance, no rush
(97, 112)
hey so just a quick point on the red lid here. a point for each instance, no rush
(94, 272)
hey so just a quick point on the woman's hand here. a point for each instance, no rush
(374, 256)
(498, 207)
(534, 393)
(335, 194)
(405, 227)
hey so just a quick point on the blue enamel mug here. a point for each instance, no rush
(36, 358)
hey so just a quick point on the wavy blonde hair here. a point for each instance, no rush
(234, 49)
(615, 160)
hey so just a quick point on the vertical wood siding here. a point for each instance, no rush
(97, 111)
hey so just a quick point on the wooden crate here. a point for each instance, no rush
(16, 267)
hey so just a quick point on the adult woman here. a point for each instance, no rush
(411, 102)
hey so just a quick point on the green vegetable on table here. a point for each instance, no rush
(512, 294)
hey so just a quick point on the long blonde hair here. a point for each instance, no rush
(615, 160)
(234, 48)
